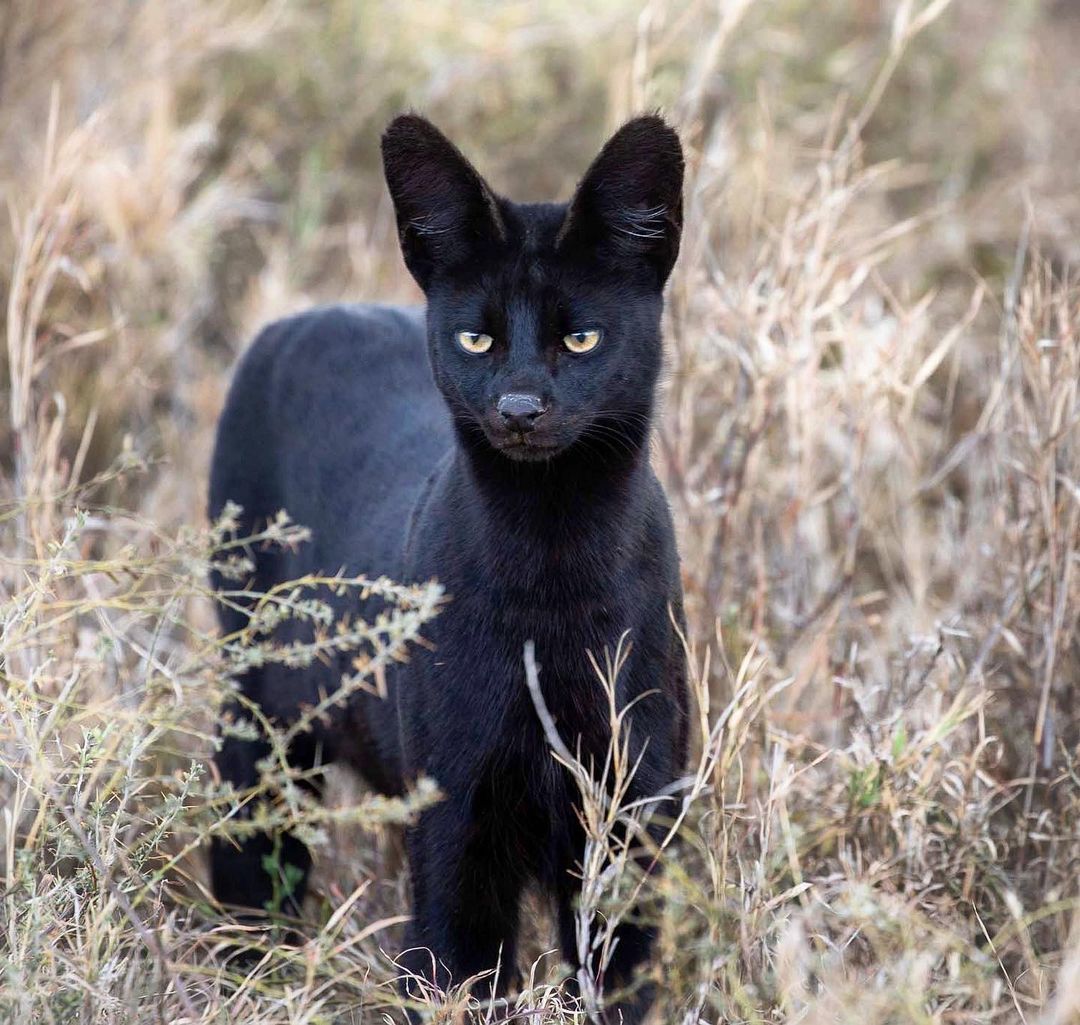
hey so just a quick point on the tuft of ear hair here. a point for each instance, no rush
(629, 204)
(446, 212)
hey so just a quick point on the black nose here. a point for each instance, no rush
(520, 410)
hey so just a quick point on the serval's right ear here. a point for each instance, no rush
(446, 213)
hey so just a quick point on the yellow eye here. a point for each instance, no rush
(582, 341)
(474, 342)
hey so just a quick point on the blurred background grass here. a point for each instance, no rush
(231, 170)
(870, 434)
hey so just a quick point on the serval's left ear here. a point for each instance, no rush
(629, 204)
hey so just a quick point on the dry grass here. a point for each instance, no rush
(871, 442)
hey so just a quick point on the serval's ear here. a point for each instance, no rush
(629, 204)
(446, 213)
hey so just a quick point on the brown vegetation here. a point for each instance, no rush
(871, 441)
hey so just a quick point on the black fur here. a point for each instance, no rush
(554, 530)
